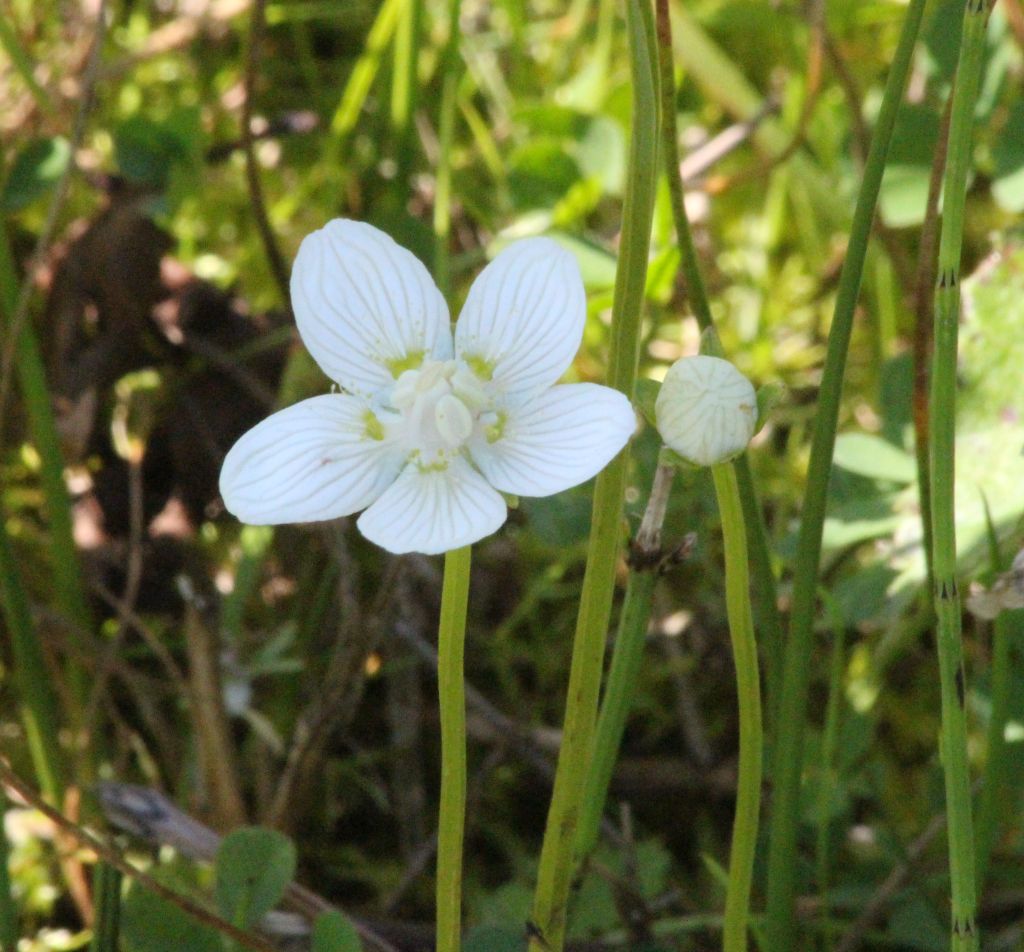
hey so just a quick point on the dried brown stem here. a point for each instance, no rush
(110, 854)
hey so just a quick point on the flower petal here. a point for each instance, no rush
(365, 306)
(523, 319)
(433, 511)
(557, 440)
(313, 461)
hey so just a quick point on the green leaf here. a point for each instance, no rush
(151, 924)
(36, 169)
(873, 457)
(1008, 184)
(540, 173)
(158, 154)
(904, 191)
(334, 932)
(253, 868)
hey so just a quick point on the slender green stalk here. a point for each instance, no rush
(829, 746)
(748, 690)
(403, 75)
(557, 862)
(37, 703)
(445, 136)
(942, 421)
(787, 751)
(627, 655)
(451, 690)
(106, 881)
(8, 911)
(1007, 629)
(696, 292)
(68, 591)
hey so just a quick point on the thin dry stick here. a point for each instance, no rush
(60, 194)
(213, 732)
(110, 854)
(151, 816)
(252, 173)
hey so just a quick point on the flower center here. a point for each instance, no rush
(440, 403)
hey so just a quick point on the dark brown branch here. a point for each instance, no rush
(110, 854)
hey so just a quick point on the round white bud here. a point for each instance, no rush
(706, 410)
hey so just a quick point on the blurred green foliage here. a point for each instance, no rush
(540, 146)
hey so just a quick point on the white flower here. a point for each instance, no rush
(706, 410)
(430, 430)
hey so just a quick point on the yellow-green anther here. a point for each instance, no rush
(410, 361)
(374, 428)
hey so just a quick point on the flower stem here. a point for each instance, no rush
(942, 420)
(696, 292)
(748, 689)
(557, 861)
(452, 694)
(627, 656)
(107, 899)
(445, 135)
(787, 754)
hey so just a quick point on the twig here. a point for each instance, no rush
(113, 856)
(257, 23)
(209, 717)
(60, 194)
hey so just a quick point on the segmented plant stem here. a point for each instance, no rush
(452, 695)
(627, 656)
(748, 691)
(787, 752)
(557, 862)
(942, 417)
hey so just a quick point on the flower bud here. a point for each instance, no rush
(706, 410)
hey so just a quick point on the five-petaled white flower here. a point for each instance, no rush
(430, 430)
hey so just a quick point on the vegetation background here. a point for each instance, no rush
(161, 163)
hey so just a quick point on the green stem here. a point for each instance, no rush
(627, 657)
(8, 911)
(37, 702)
(787, 754)
(451, 690)
(696, 292)
(557, 862)
(107, 900)
(445, 136)
(1007, 629)
(69, 594)
(748, 689)
(829, 746)
(942, 421)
